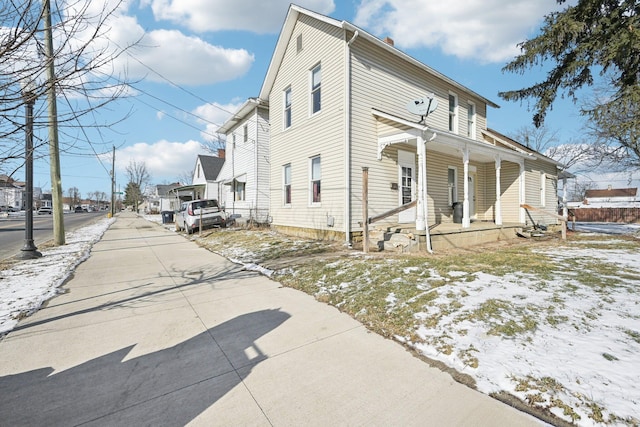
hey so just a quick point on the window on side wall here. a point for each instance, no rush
(452, 186)
(316, 81)
(316, 176)
(471, 120)
(245, 133)
(287, 108)
(286, 179)
(239, 191)
(453, 112)
(543, 189)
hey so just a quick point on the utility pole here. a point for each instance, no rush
(54, 153)
(113, 183)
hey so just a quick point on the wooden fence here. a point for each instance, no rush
(621, 215)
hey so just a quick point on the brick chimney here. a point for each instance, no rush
(388, 40)
(221, 153)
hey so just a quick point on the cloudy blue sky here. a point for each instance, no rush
(197, 61)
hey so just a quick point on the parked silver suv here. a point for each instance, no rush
(191, 214)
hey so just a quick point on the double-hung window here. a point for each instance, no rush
(316, 176)
(287, 108)
(316, 80)
(239, 190)
(471, 120)
(452, 186)
(453, 112)
(286, 180)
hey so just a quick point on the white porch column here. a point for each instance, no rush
(421, 220)
(522, 193)
(498, 192)
(466, 221)
(565, 210)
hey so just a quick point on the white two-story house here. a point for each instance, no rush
(244, 178)
(339, 103)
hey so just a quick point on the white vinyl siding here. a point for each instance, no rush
(318, 135)
(247, 160)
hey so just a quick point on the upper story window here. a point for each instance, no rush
(245, 133)
(471, 120)
(287, 108)
(453, 112)
(286, 180)
(316, 80)
(316, 175)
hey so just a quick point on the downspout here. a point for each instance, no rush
(256, 180)
(347, 138)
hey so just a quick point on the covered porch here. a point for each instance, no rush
(454, 170)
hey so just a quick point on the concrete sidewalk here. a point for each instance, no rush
(154, 330)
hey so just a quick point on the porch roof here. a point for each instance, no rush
(442, 141)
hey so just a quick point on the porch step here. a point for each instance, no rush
(394, 240)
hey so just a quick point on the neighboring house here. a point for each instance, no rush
(338, 100)
(204, 182)
(610, 205)
(162, 198)
(11, 192)
(245, 175)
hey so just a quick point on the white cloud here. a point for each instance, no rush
(178, 57)
(483, 30)
(216, 15)
(214, 115)
(165, 160)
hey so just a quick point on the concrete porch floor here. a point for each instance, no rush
(449, 235)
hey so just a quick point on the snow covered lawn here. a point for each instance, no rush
(556, 324)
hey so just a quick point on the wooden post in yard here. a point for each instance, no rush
(365, 209)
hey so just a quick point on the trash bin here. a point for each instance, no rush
(167, 217)
(457, 213)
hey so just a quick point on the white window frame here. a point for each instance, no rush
(471, 120)
(452, 188)
(313, 179)
(453, 113)
(543, 189)
(286, 183)
(287, 108)
(313, 90)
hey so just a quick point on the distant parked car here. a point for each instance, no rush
(45, 210)
(190, 213)
(79, 209)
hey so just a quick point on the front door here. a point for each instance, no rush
(472, 195)
(407, 187)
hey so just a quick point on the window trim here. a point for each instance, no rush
(287, 108)
(453, 115)
(312, 182)
(315, 89)
(285, 184)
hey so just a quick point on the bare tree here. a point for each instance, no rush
(185, 178)
(74, 197)
(139, 177)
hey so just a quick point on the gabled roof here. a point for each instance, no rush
(287, 31)
(164, 189)
(211, 166)
(244, 110)
(613, 192)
